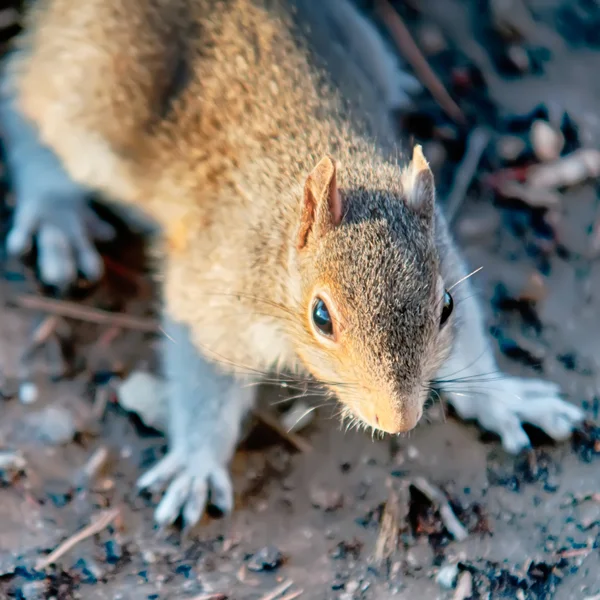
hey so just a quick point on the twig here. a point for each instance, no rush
(280, 589)
(478, 141)
(41, 334)
(575, 552)
(292, 595)
(210, 597)
(450, 520)
(44, 330)
(93, 528)
(413, 55)
(73, 310)
(394, 513)
(95, 464)
(295, 440)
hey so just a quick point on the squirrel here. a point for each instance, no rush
(292, 234)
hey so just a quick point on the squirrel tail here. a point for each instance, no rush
(338, 26)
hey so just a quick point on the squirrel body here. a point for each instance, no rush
(293, 234)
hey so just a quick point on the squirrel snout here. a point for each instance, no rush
(395, 420)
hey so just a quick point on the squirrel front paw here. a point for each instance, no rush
(192, 481)
(514, 401)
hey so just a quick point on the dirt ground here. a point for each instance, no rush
(310, 520)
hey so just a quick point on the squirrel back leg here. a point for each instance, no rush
(49, 205)
(78, 95)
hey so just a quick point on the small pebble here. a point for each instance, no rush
(12, 461)
(518, 57)
(34, 590)
(266, 559)
(431, 39)
(510, 147)
(326, 499)
(28, 392)
(145, 395)
(352, 586)
(447, 576)
(412, 452)
(54, 425)
(535, 289)
(546, 141)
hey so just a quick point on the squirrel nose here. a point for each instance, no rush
(398, 421)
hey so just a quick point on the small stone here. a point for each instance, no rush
(518, 57)
(326, 499)
(268, 558)
(28, 392)
(546, 141)
(352, 586)
(510, 147)
(149, 557)
(421, 555)
(54, 425)
(431, 39)
(535, 289)
(447, 576)
(34, 590)
(145, 395)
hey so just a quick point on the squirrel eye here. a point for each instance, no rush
(321, 318)
(447, 308)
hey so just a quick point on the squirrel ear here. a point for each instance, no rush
(322, 204)
(418, 183)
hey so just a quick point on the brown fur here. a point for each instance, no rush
(209, 115)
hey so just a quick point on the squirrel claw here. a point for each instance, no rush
(193, 482)
(515, 401)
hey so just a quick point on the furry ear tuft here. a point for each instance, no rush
(419, 185)
(322, 204)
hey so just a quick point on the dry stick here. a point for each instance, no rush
(391, 524)
(575, 552)
(73, 310)
(280, 589)
(478, 141)
(413, 55)
(95, 463)
(292, 595)
(292, 438)
(42, 333)
(435, 495)
(93, 528)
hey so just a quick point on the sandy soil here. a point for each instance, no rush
(314, 518)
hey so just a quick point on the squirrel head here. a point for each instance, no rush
(376, 317)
